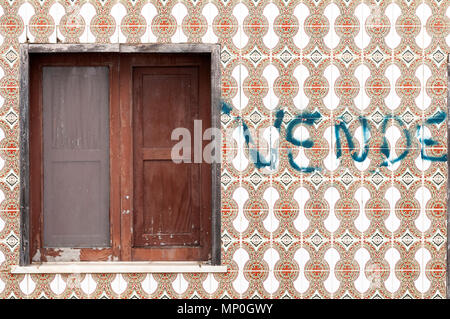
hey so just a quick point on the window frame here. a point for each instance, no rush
(448, 184)
(24, 138)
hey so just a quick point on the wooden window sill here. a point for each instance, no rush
(118, 267)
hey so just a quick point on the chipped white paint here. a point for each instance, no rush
(65, 255)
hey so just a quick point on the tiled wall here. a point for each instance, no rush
(316, 222)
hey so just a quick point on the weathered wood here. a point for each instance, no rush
(124, 48)
(168, 48)
(24, 158)
(72, 48)
(165, 217)
(448, 184)
(216, 167)
(38, 251)
(126, 155)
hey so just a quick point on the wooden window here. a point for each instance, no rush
(102, 184)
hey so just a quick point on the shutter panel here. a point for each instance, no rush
(76, 156)
(167, 196)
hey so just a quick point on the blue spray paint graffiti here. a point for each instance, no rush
(340, 126)
(438, 118)
(309, 119)
(385, 150)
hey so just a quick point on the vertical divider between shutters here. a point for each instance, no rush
(126, 151)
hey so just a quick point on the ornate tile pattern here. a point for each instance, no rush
(340, 191)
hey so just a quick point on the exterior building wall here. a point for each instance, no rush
(341, 191)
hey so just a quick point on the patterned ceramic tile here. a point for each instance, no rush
(341, 192)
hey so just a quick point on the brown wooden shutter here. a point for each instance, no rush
(171, 213)
(166, 194)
